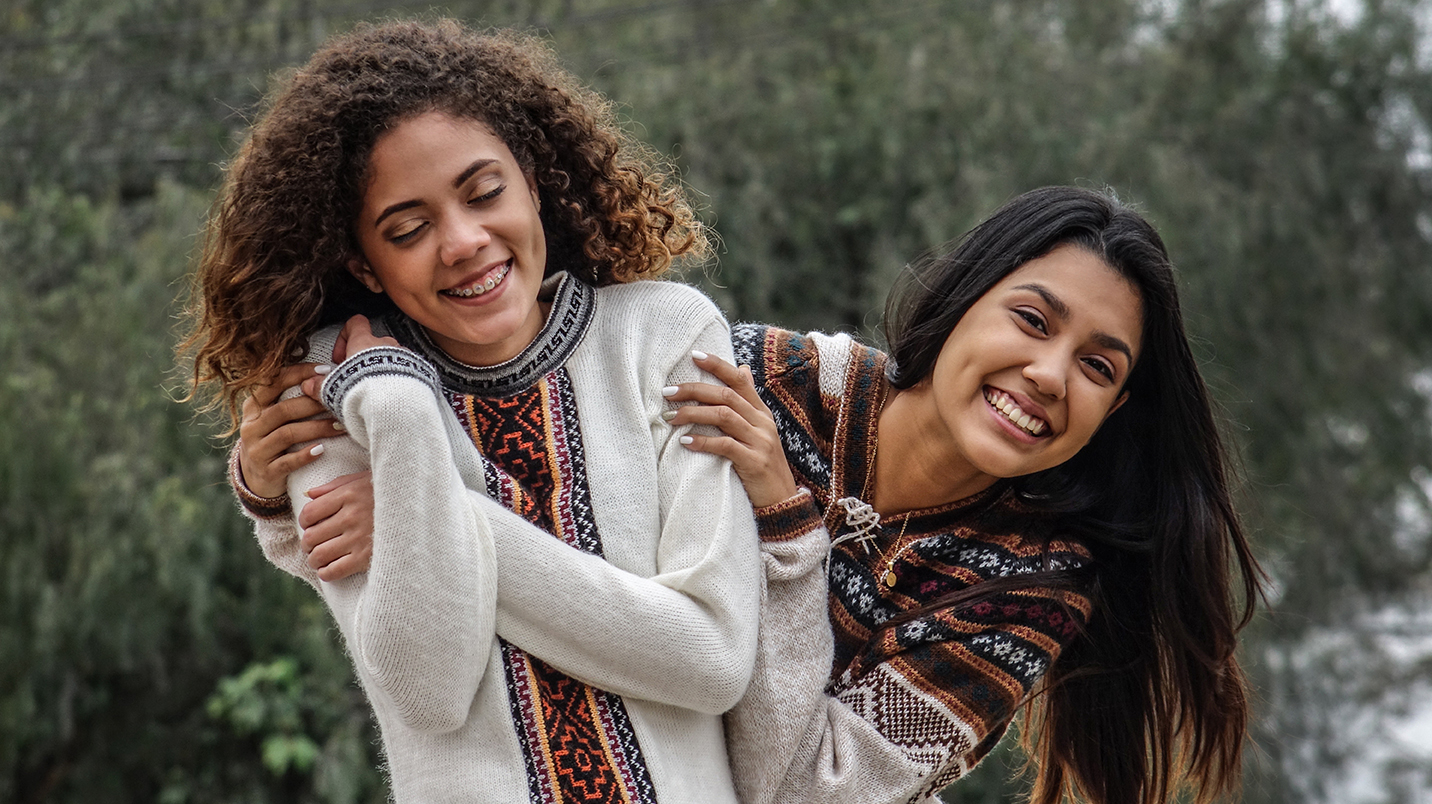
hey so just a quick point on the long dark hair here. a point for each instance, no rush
(1150, 698)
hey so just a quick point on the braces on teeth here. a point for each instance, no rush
(484, 286)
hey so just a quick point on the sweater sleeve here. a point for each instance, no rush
(419, 623)
(883, 732)
(685, 636)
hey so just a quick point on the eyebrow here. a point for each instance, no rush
(1061, 309)
(456, 183)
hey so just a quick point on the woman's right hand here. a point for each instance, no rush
(750, 439)
(269, 429)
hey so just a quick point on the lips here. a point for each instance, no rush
(1007, 407)
(489, 281)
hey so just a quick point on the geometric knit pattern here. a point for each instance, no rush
(577, 740)
(945, 685)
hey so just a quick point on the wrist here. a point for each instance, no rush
(256, 504)
(788, 519)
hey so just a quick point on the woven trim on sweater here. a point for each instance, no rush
(261, 507)
(788, 519)
(578, 742)
(574, 303)
(380, 360)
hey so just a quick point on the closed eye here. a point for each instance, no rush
(400, 239)
(489, 195)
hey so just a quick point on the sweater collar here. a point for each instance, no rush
(573, 305)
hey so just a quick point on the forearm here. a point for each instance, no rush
(684, 636)
(420, 621)
(789, 739)
(671, 615)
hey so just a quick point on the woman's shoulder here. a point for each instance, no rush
(320, 343)
(1030, 534)
(781, 355)
(666, 299)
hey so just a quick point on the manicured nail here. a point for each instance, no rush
(670, 390)
(686, 439)
(323, 368)
(317, 450)
(668, 415)
(698, 354)
(337, 425)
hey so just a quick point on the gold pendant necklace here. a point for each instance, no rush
(890, 577)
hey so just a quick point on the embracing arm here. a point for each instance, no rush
(419, 623)
(916, 711)
(920, 705)
(684, 636)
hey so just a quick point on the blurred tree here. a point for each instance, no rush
(1283, 149)
(131, 586)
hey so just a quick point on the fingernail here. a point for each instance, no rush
(323, 368)
(698, 354)
(668, 415)
(670, 390)
(317, 450)
(686, 439)
(337, 425)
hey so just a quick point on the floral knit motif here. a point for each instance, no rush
(941, 688)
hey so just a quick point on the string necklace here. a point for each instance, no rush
(864, 522)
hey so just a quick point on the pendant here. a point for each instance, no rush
(890, 579)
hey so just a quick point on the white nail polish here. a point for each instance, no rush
(698, 354)
(686, 439)
(317, 450)
(337, 425)
(670, 390)
(323, 368)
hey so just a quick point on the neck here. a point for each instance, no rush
(914, 468)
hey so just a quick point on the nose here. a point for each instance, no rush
(462, 239)
(1046, 371)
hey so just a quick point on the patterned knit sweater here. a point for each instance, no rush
(840, 708)
(571, 630)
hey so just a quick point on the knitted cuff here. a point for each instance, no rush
(788, 519)
(373, 362)
(261, 507)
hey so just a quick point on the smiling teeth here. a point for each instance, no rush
(484, 286)
(1002, 402)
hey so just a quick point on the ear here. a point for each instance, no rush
(532, 188)
(360, 270)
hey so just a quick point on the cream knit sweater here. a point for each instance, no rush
(461, 591)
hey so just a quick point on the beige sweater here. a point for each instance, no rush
(469, 611)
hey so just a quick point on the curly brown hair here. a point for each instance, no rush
(281, 232)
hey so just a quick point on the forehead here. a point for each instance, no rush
(1097, 297)
(433, 145)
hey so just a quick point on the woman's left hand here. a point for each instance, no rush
(750, 439)
(338, 526)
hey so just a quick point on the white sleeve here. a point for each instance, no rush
(789, 739)
(419, 623)
(685, 636)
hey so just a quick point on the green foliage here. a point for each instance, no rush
(1284, 151)
(131, 585)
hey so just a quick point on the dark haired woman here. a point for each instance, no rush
(1024, 505)
(561, 600)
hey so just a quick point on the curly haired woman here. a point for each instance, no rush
(562, 599)
(1022, 508)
